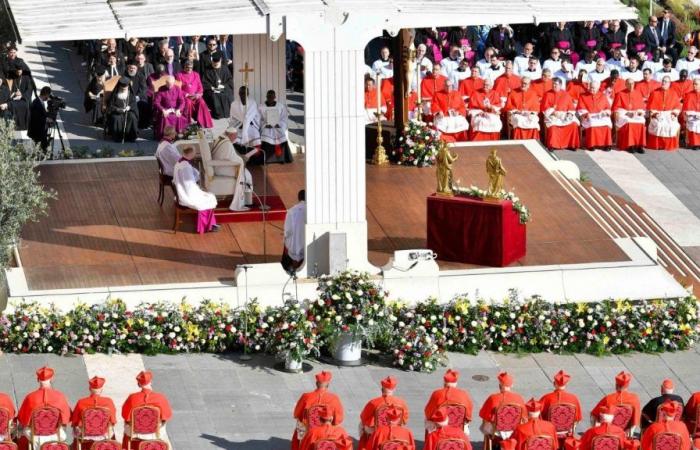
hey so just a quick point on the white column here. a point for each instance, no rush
(267, 59)
(335, 136)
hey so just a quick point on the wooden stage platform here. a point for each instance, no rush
(106, 228)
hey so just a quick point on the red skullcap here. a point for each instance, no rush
(561, 378)
(451, 376)
(667, 384)
(533, 406)
(144, 378)
(44, 374)
(324, 377)
(96, 382)
(505, 379)
(389, 383)
(623, 379)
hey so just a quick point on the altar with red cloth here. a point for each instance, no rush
(475, 231)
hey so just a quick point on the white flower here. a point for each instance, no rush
(497, 314)
(334, 297)
(358, 317)
(113, 342)
(171, 335)
(348, 306)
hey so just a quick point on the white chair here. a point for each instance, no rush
(219, 185)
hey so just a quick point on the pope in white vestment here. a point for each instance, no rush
(190, 195)
(294, 237)
(223, 150)
(245, 117)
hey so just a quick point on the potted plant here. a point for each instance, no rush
(292, 335)
(350, 310)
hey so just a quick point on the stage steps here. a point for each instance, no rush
(622, 219)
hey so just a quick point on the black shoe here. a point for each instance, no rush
(607, 149)
(632, 150)
(215, 228)
(641, 150)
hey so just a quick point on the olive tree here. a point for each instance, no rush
(22, 196)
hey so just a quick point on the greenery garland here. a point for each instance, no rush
(476, 192)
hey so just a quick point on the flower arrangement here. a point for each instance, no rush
(349, 302)
(417, 336)
(476, 192)
(418, 146)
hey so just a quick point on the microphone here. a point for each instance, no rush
(245, 266)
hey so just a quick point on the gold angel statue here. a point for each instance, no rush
(444, 170)
(496, 173)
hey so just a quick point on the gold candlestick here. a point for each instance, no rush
(379, 158)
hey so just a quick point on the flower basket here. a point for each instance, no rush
(293, 334)
(418, 145)
(347, 348)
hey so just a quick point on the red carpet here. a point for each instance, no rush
(277, 211)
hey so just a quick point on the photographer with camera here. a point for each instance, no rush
(40, 122)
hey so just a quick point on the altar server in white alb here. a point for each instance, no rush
(223, 150)
(294, 241)
(273, 118)
(189, 194)
(245, 117)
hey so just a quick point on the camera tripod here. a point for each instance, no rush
(51, 135)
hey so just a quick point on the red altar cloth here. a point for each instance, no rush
(475, 231)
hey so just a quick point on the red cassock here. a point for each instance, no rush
(600, 430)
(368, 413)
(666, 135)
(143, 398)
(595, 109)
(682, 87)
(468, 86)
(482, 100)
(93, 401)
(444, 101)
(507, 83)
(621, 398)
(691, 110)
(561, 397)
(386, 433)
(371, 99)
(319, 397)
(388, 96)
(533, 428)
(575, 89)
(488, 409)
(676, 428)
(646, 88)
(7, 403)
(520, 100)
(449, 396)
(326, 432)
(560, 133)
(541, 86)
(631, 131)
(446, 433)
(430, 85)
(38, 399)
(612, 88)
(691, 412)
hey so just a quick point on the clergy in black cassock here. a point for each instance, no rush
(92, 100)
(21, 94)
(5, 110)
(139, 88)
(218, 92)
(122, 113)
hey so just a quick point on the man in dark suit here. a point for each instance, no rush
(653, 37)
(39, 122)
(667, 34)
(501, 40)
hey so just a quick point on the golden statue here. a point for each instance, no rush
(496, 173)
(444, 170)
(408, 59)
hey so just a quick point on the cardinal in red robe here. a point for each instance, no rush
(561, 397)
(613, 85)
(534, 427)
(387, 88)
(371, 98)
(691, 114)
(594, 109)
(474, 83)
(449, 394)
(630, 118)
(311, 402)
(449, 114)
(560, 120)
(523, 109)
(664, 107)
(485, 114)
(683, 85)
(7, 404)
(370, 412)
(606, 427)
(443, 432)
(691, 412)
(94, 400)
(507, 82)
(576, 88)
(543, 84)
(44, 396)
(647, 85)
(667, 424)
(394, 431)
(326, 432)
(432, 83)
(489, 409)
(145, 397)
(621, 397)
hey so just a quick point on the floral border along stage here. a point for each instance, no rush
(416, 336)
(418, 145)
(476, 192)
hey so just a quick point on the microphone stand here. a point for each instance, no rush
(264, 213)
(245, 356)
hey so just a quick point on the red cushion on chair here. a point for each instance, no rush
(380, 415)
(508, 417)
(46, 421)
(8, 446)
(450, 444)
(146, 420)
(667, 441)
(456, 415)
(393, 445)
(4, 421)
(313, 416)
(55, 446)
(106, 445)
(563, 416)
(325, 445)
(96, 421)
(623, 416)
(605, 442)
(539, 443)
(155, 444)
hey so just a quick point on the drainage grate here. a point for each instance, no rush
(480, 378)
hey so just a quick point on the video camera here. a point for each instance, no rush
(54, 105)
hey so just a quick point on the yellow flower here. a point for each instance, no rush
(462, 307)
(606, 339)
(581, 307)
(192, 331)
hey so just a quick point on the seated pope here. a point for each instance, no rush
(224, 150)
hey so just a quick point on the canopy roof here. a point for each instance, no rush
(58, 20)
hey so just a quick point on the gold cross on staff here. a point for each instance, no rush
(245, 71)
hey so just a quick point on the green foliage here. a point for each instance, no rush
(22, 197)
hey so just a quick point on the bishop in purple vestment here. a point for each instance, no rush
(169, 106)
(195, 106)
